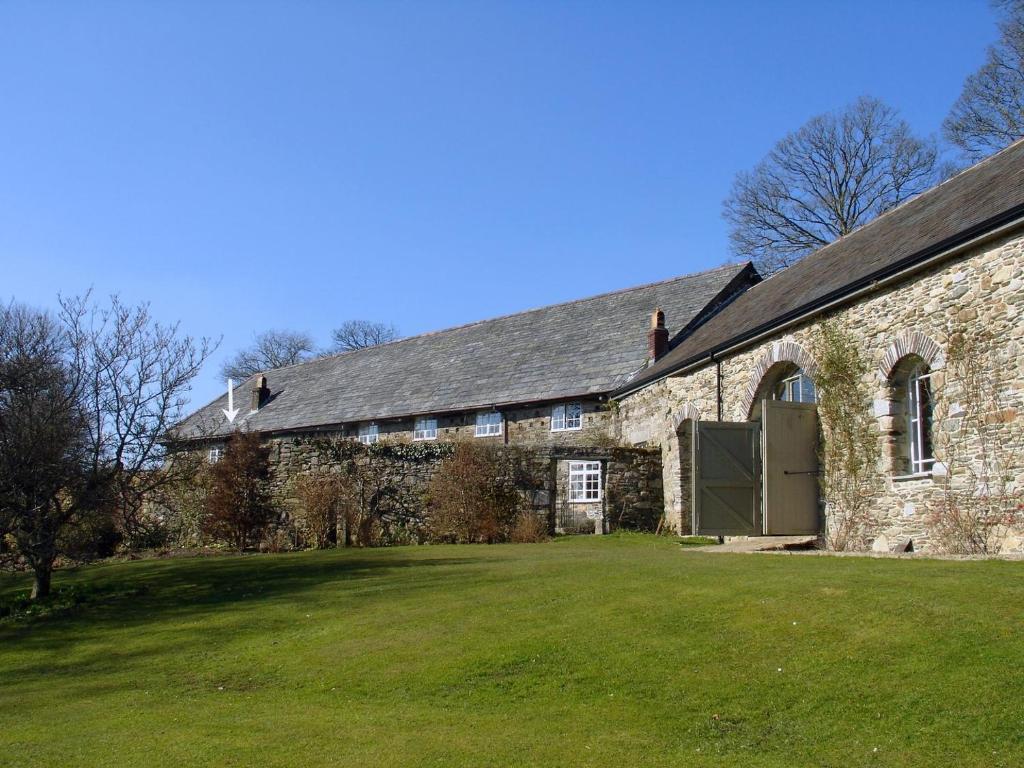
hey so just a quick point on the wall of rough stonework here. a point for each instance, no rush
(631, 477)
(632, 490)
(524, 426)
(984, 287)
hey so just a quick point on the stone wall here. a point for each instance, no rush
(982, 287)
(522, 426)
(632, 481)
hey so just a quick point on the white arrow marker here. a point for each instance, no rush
(231, 411)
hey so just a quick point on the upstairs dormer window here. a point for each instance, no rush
(488, 424)
(567, 417)
(369, 434)
(425, 429)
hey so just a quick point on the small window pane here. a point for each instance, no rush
(369, 434)
(488, 423)
(919, 420)
(557, 418)
(425, 429)
(564, 417)
(584, 481)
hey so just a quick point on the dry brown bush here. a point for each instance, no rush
(238, 504)
(320, 495)
(471, 499)
(529, 528)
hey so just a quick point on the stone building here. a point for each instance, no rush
(539, 380)
(950, 261)
(716, 374)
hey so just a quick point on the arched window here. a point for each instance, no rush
(919, 419)
(784, 381)
(797, 387)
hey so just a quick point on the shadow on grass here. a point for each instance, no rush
(193, 592)
(173, 618)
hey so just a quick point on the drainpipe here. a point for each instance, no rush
(718, 383)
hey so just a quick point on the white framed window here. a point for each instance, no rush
(919, 420)
(425, 429)
(798, 388)
(566, 417)
(584, 481)
(488, 423)
(369, 434)
(215, 455)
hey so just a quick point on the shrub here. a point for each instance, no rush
(471, 499)
(529, 528)
(181, 504)
(238, 504)
(320, 496)
(276, 540)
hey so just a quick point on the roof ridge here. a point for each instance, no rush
(737, 267)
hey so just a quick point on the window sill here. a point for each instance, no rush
(916, 476)
(424, 439)
(568, 429)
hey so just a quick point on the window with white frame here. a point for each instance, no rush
(566, 417)
(796, 388)
(215, 455)
(425, 429)
(488, 423)
(919, 419)
(369, 434)
(584, 481)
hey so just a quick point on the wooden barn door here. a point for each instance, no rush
(726, 478)
(790, 436)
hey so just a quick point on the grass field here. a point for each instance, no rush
(615, 651)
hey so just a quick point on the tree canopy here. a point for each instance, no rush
(989, 114)
(835, 173)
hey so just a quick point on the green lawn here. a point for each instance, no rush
(616, 651)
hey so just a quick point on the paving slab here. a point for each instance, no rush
(761, 544)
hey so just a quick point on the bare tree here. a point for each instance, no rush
(86, 401)
(837, 172)
(359, 334)
(989, 114)
(271, 349)
(44, 455)
(135, 376)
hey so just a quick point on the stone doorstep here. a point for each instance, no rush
(761, 544)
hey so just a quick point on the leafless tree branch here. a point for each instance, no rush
(837, 172)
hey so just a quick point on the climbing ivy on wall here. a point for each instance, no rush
(849, 447)
(340, 451)
(981, 445)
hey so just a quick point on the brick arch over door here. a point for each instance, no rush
(911, 343)
(780, 352)
(686, 411)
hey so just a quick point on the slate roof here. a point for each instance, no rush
(971, 203)
(585, 347)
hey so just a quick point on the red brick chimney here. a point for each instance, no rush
(260, 392)
(657, 337)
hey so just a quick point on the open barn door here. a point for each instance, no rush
(790, 447)
(726, 478)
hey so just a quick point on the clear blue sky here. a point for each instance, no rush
(247, 165)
